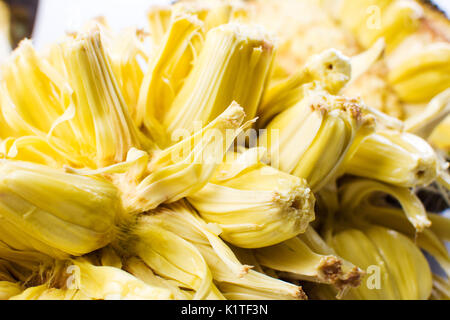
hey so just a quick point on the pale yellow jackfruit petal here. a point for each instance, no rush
(314, 138)
(398, 158)
(102, 124)
(9, 289)
(185, 167)
(53, 212)
(256, 207)
(356, 191)
(233, 65)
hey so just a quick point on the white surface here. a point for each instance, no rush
(444, 4)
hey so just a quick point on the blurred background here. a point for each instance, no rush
(48, 20)
(54, 17)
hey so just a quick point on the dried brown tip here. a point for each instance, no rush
(142, 34)
(350, 279)
(300, 294)
(244, 270)
(329, 269)
(351, 106)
